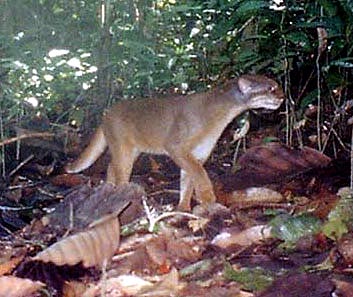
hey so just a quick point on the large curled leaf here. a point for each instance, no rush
(91, 247)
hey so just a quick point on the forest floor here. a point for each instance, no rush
(282, 227)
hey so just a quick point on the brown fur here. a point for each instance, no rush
(186, 128)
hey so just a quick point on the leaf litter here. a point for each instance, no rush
(261, 245)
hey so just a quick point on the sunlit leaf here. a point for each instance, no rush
(290, 229)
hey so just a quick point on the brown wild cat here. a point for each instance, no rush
(186, 128)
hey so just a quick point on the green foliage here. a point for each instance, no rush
(340, 218)
(141, 47)
(33, 81)
(290, 229)
(252, 279)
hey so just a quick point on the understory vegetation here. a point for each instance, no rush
(282, 221)
(68, 60)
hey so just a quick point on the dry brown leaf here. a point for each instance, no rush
(345, 248)
(169, 285)
(253, 235)
(255, 196)
(68, 180)
(133, 241)
(169, 248)
(216, 290)
(322, 36)
(185, 248)
(91, 247)
(245, 294)
(198, 224)
(8, 266)
(73, 289)
(11, 286)
(155, 166)
(300, 284)
(129, 285)
(158, 253)
(123, 285)
(343, 288)
(87, 204)
(270, 163)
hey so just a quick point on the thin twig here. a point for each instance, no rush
(49, 194)
(19, 166)
(164, 191)
(318, 115)
(257, 204)
(340, 141)
(289, 130)
(24, 136)
(7, 230)
(153, 216)
(170, 214)
(238, 136)
(71, 220)
(104, 279)
(10, 208)
(351, 184)
(235, 155)
(3, 167)
(320, 50)
(302, 91)
(245, 25)
(23, 186)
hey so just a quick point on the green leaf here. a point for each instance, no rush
(335, 228)
(290, 229)
(184, 8)
(340, 218)
(308, 99)
(300, 39)
(252, 279)
(252, 7)
(270, 139)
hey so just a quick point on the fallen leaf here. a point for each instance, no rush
(345, 248)
(8, 266)
(169, 285)
(91, 247)
(269, 163)
(291, 228)
(254, 196)
(69, 180)
(303, 284)
(11, 286)
(87, 204)
(343, 288)
(253, 235)
(340, 217)
(227, 290)
(73, 289)
(252, 279)
(129, 285)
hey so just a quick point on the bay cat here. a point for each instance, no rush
(186, 128)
